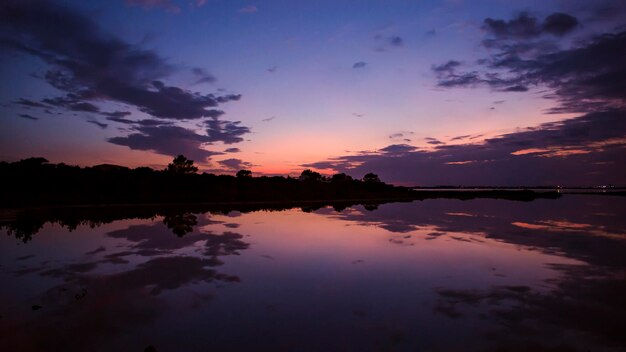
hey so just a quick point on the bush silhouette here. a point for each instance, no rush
(244, 173)
(182, 165)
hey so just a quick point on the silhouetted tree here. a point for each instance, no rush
(182, 165)
(336, 178)
(371, 178)
(180, 224)
(244, 173)
(308, 175)
(32, 162)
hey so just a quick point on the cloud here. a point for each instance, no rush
(401, 136)
(433, 141)
(28, 117)
(235, 164)
(92, 66)
(269, 119)
(398, 149)
(360, 64)
(167, 5)
(572, 151)
(30, 103)
(386, 41)
(525, 26)
(458, 138)
(202, 76)
(248, 9)
(144, 122)
(272, 69)
(168, 140)
(227, 132)
(578, 82)
(116, 114)
(447, 67)
(98, 123)
(396, 41)
(232, 150)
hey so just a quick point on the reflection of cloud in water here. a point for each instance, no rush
(96, 301)
(576, 231)
(567, 226)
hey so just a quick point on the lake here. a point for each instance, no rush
(433, 275)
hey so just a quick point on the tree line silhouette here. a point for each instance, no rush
(36, 181)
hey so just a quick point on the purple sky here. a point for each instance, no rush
(419, 92)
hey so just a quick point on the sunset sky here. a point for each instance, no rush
(420, 92)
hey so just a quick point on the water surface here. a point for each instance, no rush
(435, 275)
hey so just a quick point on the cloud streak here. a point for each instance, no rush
(585, 150)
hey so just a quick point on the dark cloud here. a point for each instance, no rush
(235, 164)
(116, 114)
(144, 122)
(458, 138)
(525, 26)
(430, 33)
(360, 64)
(447, 67)
(397, 149)
(232, 150)
(401, 136)
(385, 41)
(585, 150)
(433, 141)
(90, 65)
(202, 76)
(30, 103)
(272, 69)
(588, 76)
(168, 140)
(29, 117)
(269, 119)
(98, 123)
(516, 88)
(559, 24)
(227, 132)
(396, 41)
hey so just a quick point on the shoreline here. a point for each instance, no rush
(7, 212)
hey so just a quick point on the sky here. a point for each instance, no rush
(419, 92)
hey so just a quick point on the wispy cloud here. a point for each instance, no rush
(248, 9)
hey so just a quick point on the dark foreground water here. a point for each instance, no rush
(436, 275)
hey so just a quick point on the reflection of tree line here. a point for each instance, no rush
(180, 219)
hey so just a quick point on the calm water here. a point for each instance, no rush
(436, 275)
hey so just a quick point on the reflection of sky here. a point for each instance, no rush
(406, 274)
